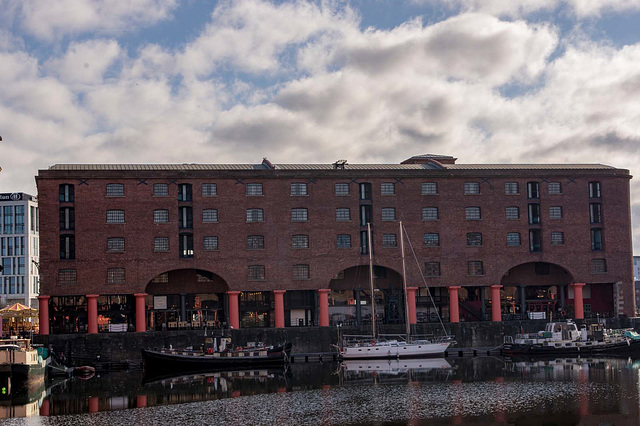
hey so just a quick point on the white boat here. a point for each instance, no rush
(389, 347)
(20, 365)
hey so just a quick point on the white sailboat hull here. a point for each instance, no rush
(383, 351)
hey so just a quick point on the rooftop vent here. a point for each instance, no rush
(267, 163)
(339, 165)
(426, 158)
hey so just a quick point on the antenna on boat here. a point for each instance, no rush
(425, 281)
(373, 297)
(404, 284)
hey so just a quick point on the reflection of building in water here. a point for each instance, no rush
(23, 403)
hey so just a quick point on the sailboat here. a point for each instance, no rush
(384, 346)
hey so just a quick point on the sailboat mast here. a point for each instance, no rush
(404, 284)
(373, 297)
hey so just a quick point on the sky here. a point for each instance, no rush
(163, 81)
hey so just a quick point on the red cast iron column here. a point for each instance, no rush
(496, 307)
(578, 301)
(234, 309)
(454, 304)
(44, 314)
(92, 313)
(279, 294)
(411, 301)
(323, 306)
(141, 319)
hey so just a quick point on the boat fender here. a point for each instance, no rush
(373, 342)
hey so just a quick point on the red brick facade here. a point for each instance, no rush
(232, 259)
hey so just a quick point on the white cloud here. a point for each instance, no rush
(85, 63)
(51, 20)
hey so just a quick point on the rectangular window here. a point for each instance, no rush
(209, 189)
(555, 188)
(115, 245)
(254, 189)
(210, 215)
(535, 240)
(160, 190)
(32, 216)
(19, 219)
(512, 213)
(115, 190)
(389, 240)
(210, 243)
(184, 192)
(115, 276)
(300, 242)
(115, 216)
(429, 188)
(298, 189)
(598, 266)
(256, 273)
(596, 239)
(365, 215)
(534, 214)
(511, 188)
(431, 240)
(255, 242)
(161, 244)
(388, 214)
(533, 190)
(301, 272)
(255, 215)
(185, 217)
(343, 214)
(471, 188)
(387, 188)
(432, 269)
(8, 219)
(595, 212)
(555, 212)
(364, 242)
(162, 278)
(472, 213)
(67, 247)
(343, 241)
(186, 245)
(365, 191)
(67, 276)
(594, 190)
(299, 215)
(474, 239)
(341, 189)
(513, 239)
(557, 238)
(66, 194)
(160, 216)
(67, 218)
(475, 268)
(430, 213)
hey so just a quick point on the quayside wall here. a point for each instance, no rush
(83, 349)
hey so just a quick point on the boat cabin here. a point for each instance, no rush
(562, 331)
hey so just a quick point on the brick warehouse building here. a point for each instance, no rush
(138, 247)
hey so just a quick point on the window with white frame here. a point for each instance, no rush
(116, 276)
(67, 276)
(471, 188)
(300, 241)
(430, 213)
(475, 268)
(301, 272)
(299, 215)
(210, 243)
(160, 190)
(298, 189)
(472, 213)
(429, 188)
(598, 266)
(115, 190)
(431, 239)
(160, 216)
(255, 242)
(115, 216)
(557, 238)
(432, 269)
(115, 245)
(388, 213)
(513, 239)
(511, 188)
(343, 214)
(256, 273)
(387, 188)
(254, 189)
(210, 215)
(555, 188)
(341, 189)
(209, 189)
(555, 212)
(255, 215)
(343, 241)
(161, 244)
(512, 213)
(474, 239)
(389, 240)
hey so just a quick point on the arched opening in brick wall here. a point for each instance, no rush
(185, 298)
(350, 296)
